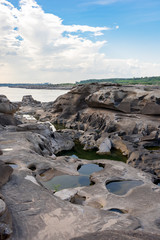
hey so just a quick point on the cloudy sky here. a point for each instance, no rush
(60, 41)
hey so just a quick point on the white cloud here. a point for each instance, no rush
(38, 47)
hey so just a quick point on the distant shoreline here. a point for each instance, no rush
(155, 80)
(40, 86)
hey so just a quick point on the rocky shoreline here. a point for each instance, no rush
(101, 117)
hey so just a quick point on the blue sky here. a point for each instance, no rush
(66, 41)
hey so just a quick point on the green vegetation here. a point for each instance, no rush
(91, 154)
(56, 187)
(58, 126)
(132, 81)
(153, 148)
(123, 81)
(38, 85)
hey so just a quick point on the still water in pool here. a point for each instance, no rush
(122, 187)
(78, 151)
(67, 181)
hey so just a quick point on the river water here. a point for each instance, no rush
(43, 95)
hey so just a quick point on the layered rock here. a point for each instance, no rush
(128, 115)
(127, 100)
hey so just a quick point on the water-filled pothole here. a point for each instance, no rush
(152, 148)
(88, 169)
(157, 182)
(123, 186)
(67, 181)
(117, 210)
(12, 165)
(32, 167)
(78, 151)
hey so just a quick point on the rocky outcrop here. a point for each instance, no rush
(68, 104)
(127, 100)
(30, 101)
(40, 213)
(127, 115)
(7, 110)
(6, 106)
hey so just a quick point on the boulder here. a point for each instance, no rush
(104, 145)
(30, 101)
(6, 106)
(61, 141)
(7, 110)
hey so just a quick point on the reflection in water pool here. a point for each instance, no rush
(66, 181)
(12, 165)
(78, 151)
(116, 210)
(152, 148)
(88, 169)
(122, 187)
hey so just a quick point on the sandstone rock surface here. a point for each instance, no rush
(129, 115)
(97, 119)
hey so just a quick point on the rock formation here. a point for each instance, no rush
(127, 115)
(7, 110)
(94, 211)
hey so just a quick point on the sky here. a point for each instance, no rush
(59, 41)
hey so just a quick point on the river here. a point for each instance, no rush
(43, 95)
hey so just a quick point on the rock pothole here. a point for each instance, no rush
(121, 187)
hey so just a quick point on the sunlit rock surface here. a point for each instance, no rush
(83, 212)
